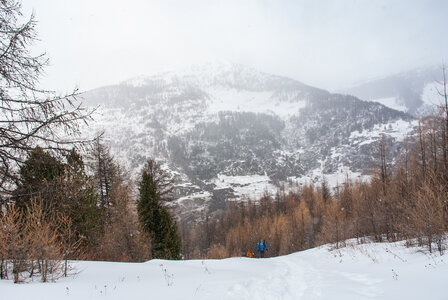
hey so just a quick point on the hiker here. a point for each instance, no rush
(261, 247)
(249, 254)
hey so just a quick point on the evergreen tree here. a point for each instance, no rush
(37, 178)
(80, 201)
(61, 187)
(156, 221)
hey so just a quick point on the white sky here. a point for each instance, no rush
(327, 43)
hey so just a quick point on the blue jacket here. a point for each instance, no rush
(262, 247)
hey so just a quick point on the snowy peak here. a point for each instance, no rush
(212, 87)
(221, 74)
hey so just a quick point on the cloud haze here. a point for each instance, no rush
(328, 44)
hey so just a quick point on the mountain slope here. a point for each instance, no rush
(414, 91)
(231, 132)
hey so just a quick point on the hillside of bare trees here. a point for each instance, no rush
(408, 202)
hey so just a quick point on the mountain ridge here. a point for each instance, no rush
(412, 91)
(236, 123)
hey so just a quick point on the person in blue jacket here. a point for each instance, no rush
(261, 247)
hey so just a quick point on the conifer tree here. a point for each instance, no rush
(60, 187)
(80, 201)
(156, 221)
(37, 177)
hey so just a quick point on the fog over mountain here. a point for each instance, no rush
(415, 92)
(227, 131)
(327, 43)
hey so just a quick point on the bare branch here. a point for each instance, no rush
(29, 115)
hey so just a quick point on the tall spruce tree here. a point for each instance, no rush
(156, 221)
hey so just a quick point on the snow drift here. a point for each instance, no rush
(368, 271)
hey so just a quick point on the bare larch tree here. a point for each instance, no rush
(29, 115)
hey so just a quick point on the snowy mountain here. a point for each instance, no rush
(413, 92)
(230, 132)
(369, 271)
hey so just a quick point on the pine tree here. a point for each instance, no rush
(156, 221)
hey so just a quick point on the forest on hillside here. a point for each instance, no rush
(64, 209)
(405, 201)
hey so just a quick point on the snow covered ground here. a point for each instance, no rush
(371, 271)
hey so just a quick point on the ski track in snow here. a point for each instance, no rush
(275, 285)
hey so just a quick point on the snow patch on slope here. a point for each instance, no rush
(246, 187)
(334, 180)
(431, 98)
(398, 130)
(392, 102)
(225, 99)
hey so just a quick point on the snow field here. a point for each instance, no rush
(369, 271)
(246, 187)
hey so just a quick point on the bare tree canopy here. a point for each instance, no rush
(163, 180)
(29, 116)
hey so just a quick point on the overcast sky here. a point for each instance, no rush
(327, 43)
